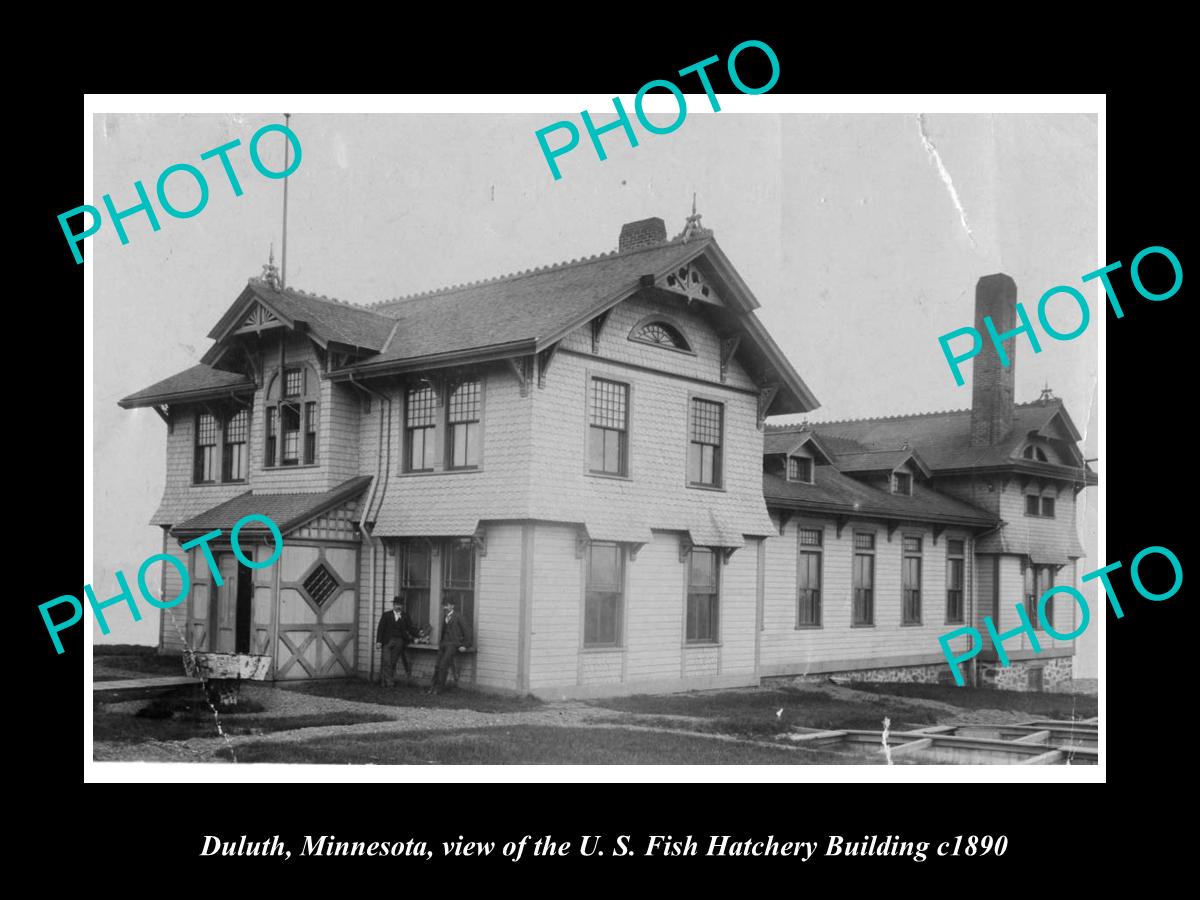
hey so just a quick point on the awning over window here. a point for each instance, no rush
(1042, 556)
(715, 532)
(628, 531)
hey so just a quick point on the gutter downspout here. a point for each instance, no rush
(381, 472)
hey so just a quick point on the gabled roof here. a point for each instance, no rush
(943, 439)
(879, 461)
(787, 443)
(328, 320)
(200, 382)
(288, 511)
(839, 493)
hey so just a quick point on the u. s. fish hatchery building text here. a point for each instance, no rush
(579, 455)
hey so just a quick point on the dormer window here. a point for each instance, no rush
(291, 418)
(800, 469)
(660, 333)
(902, 483)
(1032, 452)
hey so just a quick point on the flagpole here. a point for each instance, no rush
(287, 146)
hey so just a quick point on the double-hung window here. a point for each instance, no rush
(704, 448)
(462, 426)
(420, 423)
(704, 595)
(234, 456)
(207, 430)
(1038, 580)
(458, 576)
(955, 579)
(863, 612)
(808, 579)
(605, 595)
(414, 581)
(608, 427)
(910, 606)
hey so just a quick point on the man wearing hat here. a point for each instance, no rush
(455, 637)
(393, 634)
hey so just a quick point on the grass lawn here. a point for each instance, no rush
(536, 744)
(755, 712)
(412, 695)
(177, 719)
(1052, 706)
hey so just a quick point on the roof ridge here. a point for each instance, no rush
(524, 273)
(935, 412)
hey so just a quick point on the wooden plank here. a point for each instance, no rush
(912, 746)
(1037, 737)
(1044, 759)
(128, 683)
(931, 729)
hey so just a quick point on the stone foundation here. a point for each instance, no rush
(930, 674)
(1054, 677)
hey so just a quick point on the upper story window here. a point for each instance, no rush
(291, 418)
(222, 437)
(608, 427)
(1039, 506)
(420, 423)
(234, 457)
(1037, 453)
(206, 449)
(462, 426)
(800, 469)
(902, 483)
(704, 449)
(660, 333)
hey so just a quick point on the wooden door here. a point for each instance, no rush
(225, 604)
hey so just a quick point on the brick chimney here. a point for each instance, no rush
(992, 391)
(644, 233)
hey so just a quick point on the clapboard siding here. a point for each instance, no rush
(172, 621)
(557, 608)
(498, 608)
(739, 609)
(783, 644)
(654, 610)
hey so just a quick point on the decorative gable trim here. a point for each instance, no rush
(260, 318)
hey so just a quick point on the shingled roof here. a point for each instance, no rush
(200, 382)
(288, 511)
(839, 493)
(943, 439)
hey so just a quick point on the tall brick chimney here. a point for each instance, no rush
(643, 233)
(992, 391)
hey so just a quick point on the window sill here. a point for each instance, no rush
(697, 645)
(291, 468)
(216, 483)
(609, 475)
(809, 627)
(911, 624)
(862, 625)
(435, 648)
(602, 650)
(705, 487)
(645, 343)
(959, 622)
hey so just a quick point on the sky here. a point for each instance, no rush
(862, 236)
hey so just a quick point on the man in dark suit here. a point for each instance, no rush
(455, 637)
(393, 635)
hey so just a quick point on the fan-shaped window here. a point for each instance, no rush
(1032, 452)
(661, 333)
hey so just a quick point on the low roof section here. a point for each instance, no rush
(287, 511)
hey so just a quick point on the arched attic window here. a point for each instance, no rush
(661, 332)
(1032, 452)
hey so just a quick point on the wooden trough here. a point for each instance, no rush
(223, 673)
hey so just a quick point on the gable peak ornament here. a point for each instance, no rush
(270, 272)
